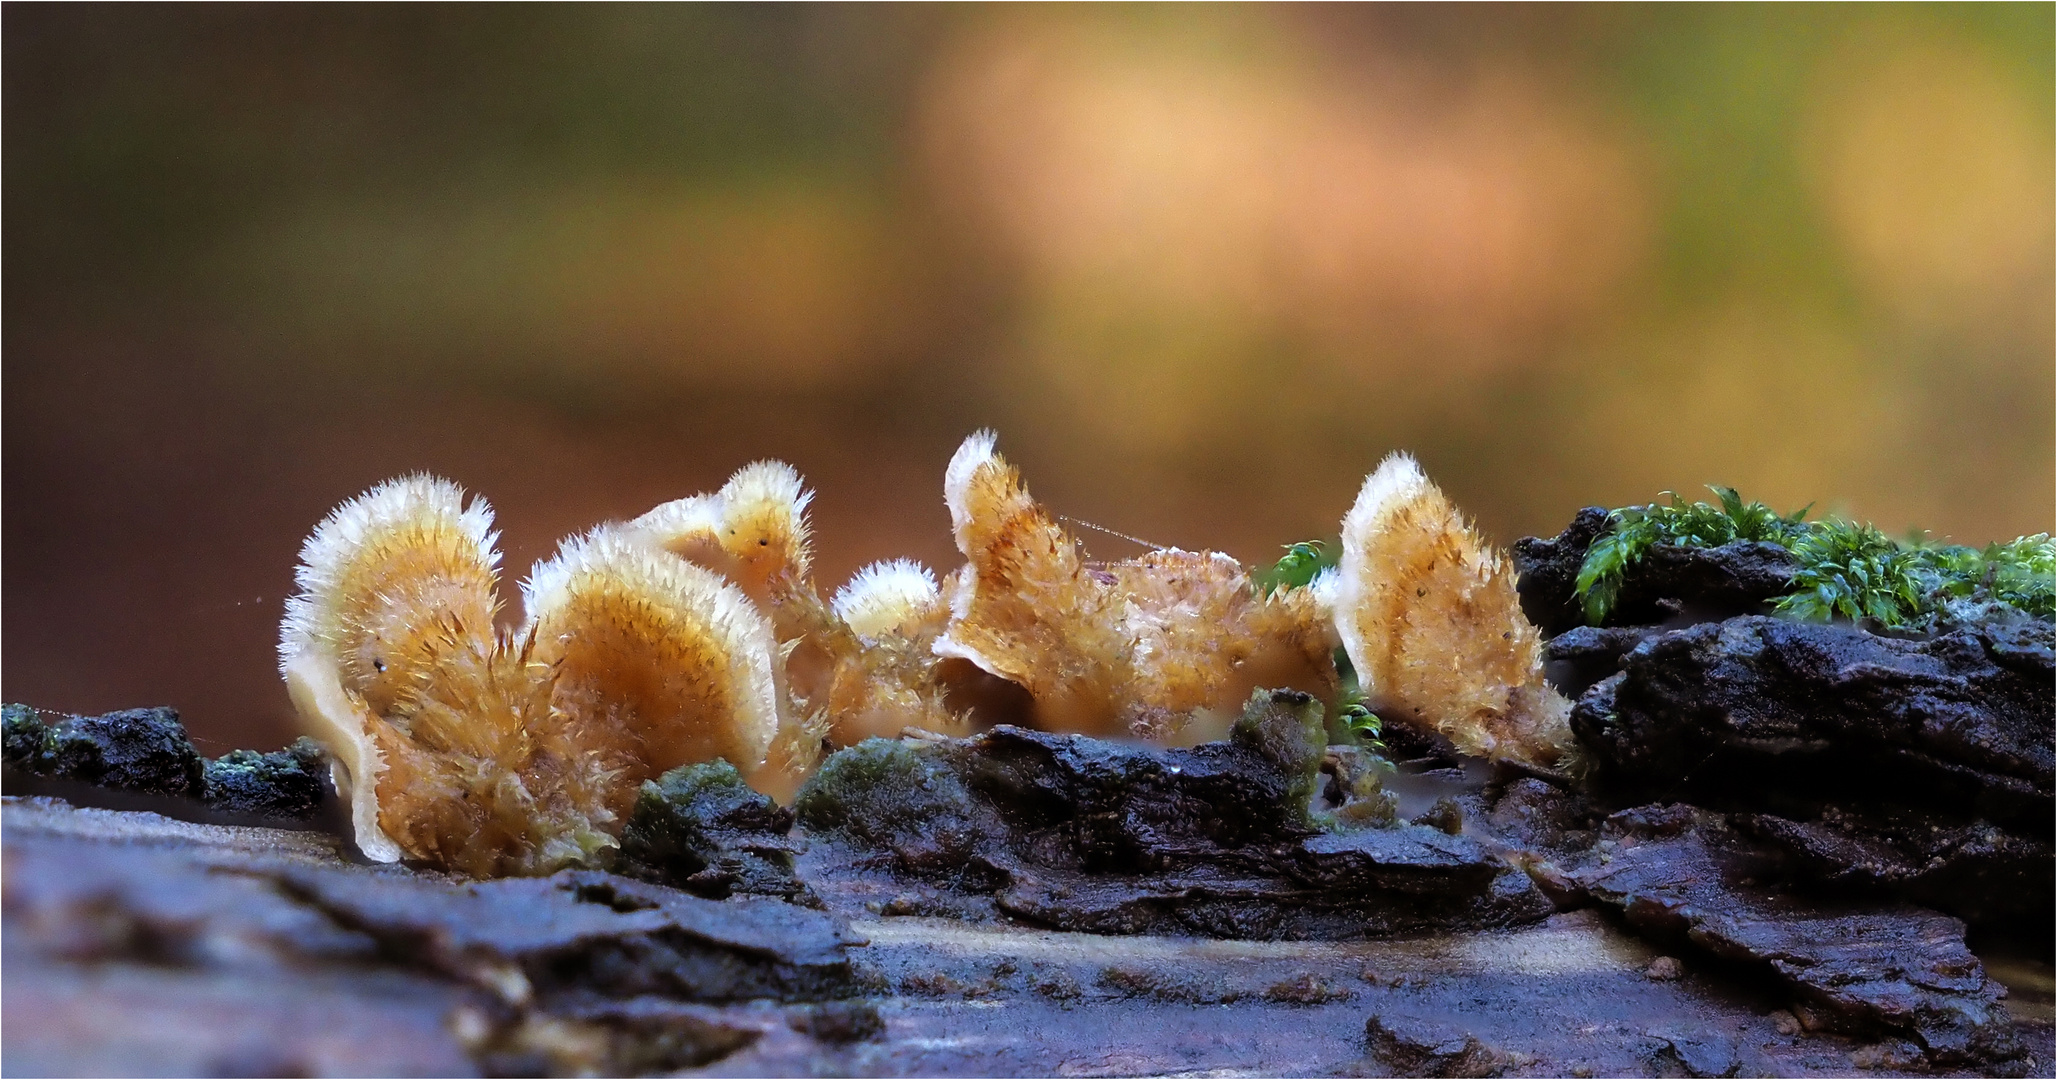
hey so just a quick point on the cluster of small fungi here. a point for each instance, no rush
(696, 632)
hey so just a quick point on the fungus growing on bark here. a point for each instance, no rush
(695, 633)
(1430, 620)
(1166, 647)
(497, 751)
(690, 634)
(855, 668)
(892, 679)
(754, 532)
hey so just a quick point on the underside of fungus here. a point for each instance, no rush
(696, 632)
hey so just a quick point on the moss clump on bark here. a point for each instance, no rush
(890, 793)
(702, 829)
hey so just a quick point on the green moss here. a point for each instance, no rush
(1847, 570)
(303, 756)
(1857, 572)
(1296, 570)
(282, 784)
(2023, 573)
(23, 735)
(1285, 726)
(1634, 530)
(1347, 720)
(678, 816)
(885, 793)
(700, 827)
(1360, 780)
(143, 750)
(1360, 763)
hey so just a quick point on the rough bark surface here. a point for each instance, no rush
(139, 945)
(1082, 834)
(1920, 770)
(1893, 970)
(146, 752)
(1753, 706)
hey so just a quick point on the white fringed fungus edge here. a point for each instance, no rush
(329, 549)
(307, 660)
(884, 596)
(1397, 482)
(976, 450)
(711, 611)
(696, 517)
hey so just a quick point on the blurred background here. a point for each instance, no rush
(1201, 267)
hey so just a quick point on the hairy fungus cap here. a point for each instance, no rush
(386, 580)
(1429, 617)
(835, 681)
(888, 597)
(679, 657)
(385, 569)
(1023, 607)
(1166, 647)
(975, 453)
(753, 531)
(888, 677)
(494, 752)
